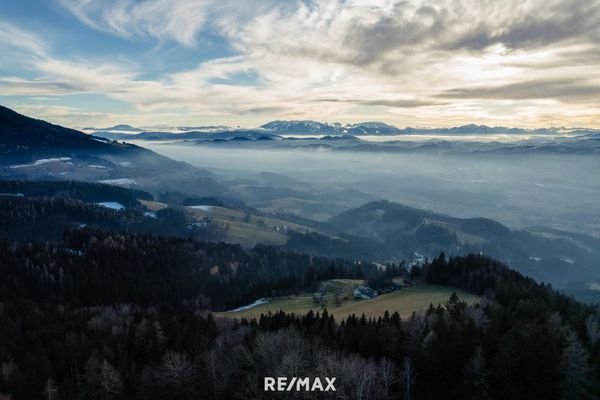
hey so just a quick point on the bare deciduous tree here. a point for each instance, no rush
(407, 376)
(176, 373)
(388, 377)
(50, 390)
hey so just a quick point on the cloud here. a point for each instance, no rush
(396, 103)
(435, 63)
(179, 21)
(521, 25)
(410, 27)
(19, 39)
(176, 20)
(402, 103)
(536, 89)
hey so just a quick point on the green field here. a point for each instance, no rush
(248, 229)
(404, 301)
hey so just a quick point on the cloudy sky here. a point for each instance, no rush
(526, 63)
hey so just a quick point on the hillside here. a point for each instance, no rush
(35, 149)
(243, 227)
(20, 135)
(396, 232)
(44, 211)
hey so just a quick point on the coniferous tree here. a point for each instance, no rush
(475, 378)
(576, 374)
(101, 380)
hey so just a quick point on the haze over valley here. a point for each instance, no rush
(535, 189)
(536, 184)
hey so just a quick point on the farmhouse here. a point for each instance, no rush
(364, 292)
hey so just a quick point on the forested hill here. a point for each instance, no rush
(20, 130)
(114, 316)
(101, 312)
(36, 149)
(395, 231)
(112, 307)
(83, 191)
(100, 268)
(522, 341)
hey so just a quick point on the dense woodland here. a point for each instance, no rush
(115, 316)
(104, 304)
(46, 219)
(43, 210)
(83, 191)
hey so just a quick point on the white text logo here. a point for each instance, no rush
(284, 384)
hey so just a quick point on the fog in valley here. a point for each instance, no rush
(524, 190)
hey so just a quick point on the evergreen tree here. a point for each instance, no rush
(101, 380)
(576, 374)
(475, 378)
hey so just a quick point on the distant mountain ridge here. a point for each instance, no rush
(380, 128)
(314, 127)
(120, 127)
(310, 127)
(191, 135)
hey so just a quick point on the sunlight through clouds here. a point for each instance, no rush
(404, 62)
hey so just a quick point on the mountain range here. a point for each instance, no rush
(308, 127)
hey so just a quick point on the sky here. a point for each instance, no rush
(80, 63)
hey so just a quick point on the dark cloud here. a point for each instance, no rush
(550, 23)
(403, 103)
(402, 30)
(471, 26)
(265, 110)
(570, 90)
(397, 103)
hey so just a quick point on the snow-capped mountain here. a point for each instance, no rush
(302, 127)
(314, 127)
(372, 128)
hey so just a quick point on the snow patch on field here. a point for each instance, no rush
(203, 208)
(42, 162)
(12, 194)
(119, 181)
(249, 306)
(113, 205)
(594, 286)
